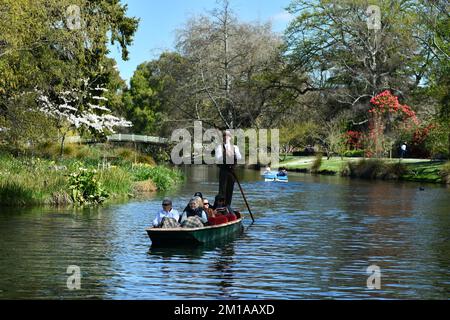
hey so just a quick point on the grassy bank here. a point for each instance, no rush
(34, 180)
(421, 170)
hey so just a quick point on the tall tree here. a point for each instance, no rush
(47, 46)
(228, 60)
(352, 60)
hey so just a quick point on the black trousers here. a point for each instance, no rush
(226, 183)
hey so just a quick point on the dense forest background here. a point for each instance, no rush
(330, 81)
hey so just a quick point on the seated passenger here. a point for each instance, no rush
(209, 211)
(167, 217)
(222, 209)
(197, 194)
(213, 219)
(194, 216)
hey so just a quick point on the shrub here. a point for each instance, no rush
(393, 171)
(366, 169)
(145, 186)
(85, 188)
(163, 177)
(375, 168)
(354, 153)
(317, 163)
(117, 181)
(12, 193)
(47, 150)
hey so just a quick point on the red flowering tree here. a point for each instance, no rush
(353, 140)
(387, 120)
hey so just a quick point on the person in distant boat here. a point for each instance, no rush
(267, 170)
(282, 172)
(227, 156)
(167, 217)
(194, 216)
(221, 208)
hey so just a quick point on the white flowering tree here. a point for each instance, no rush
(80, 108)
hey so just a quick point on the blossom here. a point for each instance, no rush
(72, 108)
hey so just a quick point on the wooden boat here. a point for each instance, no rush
(184, 236)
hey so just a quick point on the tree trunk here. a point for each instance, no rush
(61, 151)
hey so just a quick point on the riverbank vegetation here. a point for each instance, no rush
(87, 179)
(332, 82)
(419, 170)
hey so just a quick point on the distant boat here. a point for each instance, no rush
(185, 236)
(274, 176)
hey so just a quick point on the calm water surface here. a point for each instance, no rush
(313, 238)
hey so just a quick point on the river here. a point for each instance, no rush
(314, 238)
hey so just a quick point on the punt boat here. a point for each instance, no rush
(188, 236)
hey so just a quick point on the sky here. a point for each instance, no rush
(160, 19)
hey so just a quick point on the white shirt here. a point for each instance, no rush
(404, 147)
(228, 148)
(162, 213)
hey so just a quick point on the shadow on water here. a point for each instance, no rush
(195, 250)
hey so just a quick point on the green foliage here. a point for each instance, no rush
(445, 173)
(118, 181)
(424, 172)
(163, 177)
(25, 128)
(354, 153)
(356, 61)
(31, 181)
(376, 169)
(156, 94)
(85, 188)
(366, 169)
(438, 141)
(14, 194)
(394, 171)
(298, 136)
(39, 51)
(27, 181)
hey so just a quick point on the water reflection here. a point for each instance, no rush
(313, 238)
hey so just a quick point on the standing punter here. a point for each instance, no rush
(226, 165)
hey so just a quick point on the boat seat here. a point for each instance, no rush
(217, 220)
(231, 217)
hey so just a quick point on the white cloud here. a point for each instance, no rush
(283, 16)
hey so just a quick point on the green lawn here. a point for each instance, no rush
(418, 169)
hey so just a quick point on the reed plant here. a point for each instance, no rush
(32, 181)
